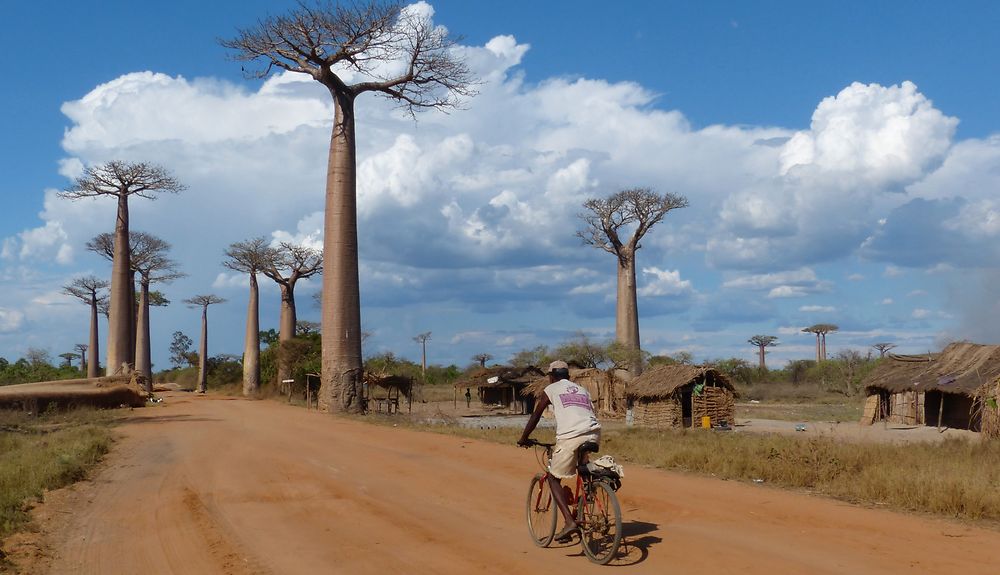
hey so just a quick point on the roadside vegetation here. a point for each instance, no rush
(43, 452)
(954, 478)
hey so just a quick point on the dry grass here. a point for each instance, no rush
(45, 452)
(954, 478)
(801, 411)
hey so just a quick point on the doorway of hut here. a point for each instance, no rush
(949, 410)
(686, 405)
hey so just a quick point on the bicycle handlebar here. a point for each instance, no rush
(536, 443)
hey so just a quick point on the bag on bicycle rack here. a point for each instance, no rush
(605, 467)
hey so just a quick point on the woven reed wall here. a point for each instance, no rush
(665, 412)
(717, 403)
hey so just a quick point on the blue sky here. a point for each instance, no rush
(840, 161)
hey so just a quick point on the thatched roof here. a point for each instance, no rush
(663, 380)
(580, 376)
(388, 381)
(500, 375)
(960, 368)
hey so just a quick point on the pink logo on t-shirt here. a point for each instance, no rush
(574, 398)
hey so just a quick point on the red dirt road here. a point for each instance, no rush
(212, 485)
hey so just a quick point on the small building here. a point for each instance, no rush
(607, 392)
(946, 389)
(680, 396)
(501, 387)
(382, 392)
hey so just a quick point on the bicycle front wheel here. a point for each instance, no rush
(600, 519)
(541, 511)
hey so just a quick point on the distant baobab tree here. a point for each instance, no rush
(394, 52)
(250, 257)
(81, 352)
(153, 266)
(68, 358)
(762, 342)
(203, 301)
(820, 329)
(122, 180)
(286, 265)
(90, 290)
(422, 340)
(883, 348)
(482, 358)
(606, 219)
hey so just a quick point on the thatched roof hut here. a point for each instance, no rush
(501, 386)
(681, 395)
(942, 389)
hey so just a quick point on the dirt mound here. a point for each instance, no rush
(114, 391)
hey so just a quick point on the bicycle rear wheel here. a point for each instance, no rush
(600, 519)
(541, 511)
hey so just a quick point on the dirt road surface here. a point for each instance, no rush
(213, 485)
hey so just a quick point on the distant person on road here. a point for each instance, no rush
(468, 398)
(576, 424)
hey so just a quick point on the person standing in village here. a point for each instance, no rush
(576, 424)
(468, 398)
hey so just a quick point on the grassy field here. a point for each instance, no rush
(45, 452)
(953, 478)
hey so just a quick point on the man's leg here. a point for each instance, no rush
(560, 496)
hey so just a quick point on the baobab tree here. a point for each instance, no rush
(883, 348)
(422, 340)
(762, 342)
(90, 290)
(397, 53)
(122, 180)
(606, 219)
(820, 329)
(148, 259)
(287, 264)
(482, 358)
(203, 301)
(250, 257)
(81, 352)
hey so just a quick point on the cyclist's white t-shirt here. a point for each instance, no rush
(573, 409)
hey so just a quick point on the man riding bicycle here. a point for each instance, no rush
(576, 424)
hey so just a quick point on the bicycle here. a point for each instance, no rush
(594, 504)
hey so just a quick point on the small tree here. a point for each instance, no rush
(121, 180)
(180, 349)
(250, 257)
(883, 348)
(762, 342)
(582, 351)
(90, 290)
(203, 301)
(422, 340)
(606, 219)
(482, 358)
(399, 55)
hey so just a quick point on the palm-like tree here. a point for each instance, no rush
(250, 257)
(638, 209)
(368, 39)
(90, 290)
(203, 301)
(122, 180)
(762, 342)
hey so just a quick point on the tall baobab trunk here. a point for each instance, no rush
(251, 347)
(133, 318)
(93, 363)
(286, 330)
(823, 345)
(819, 349)
(121, 305)
(627, 311)
(203, 353)
(760, 357)
(341, 292)
(143, 357)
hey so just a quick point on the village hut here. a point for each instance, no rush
(607, 391)
(501, 387)
(946, 389)
(383, 391)
(680, 396)
(989, 397)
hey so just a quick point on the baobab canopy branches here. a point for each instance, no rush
(392, 51)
